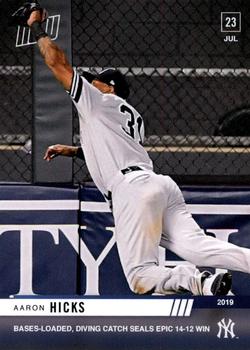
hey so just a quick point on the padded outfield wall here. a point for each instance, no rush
(60, 241)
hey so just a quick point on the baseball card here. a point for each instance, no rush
(124, 175)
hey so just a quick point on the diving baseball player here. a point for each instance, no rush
(149, 209)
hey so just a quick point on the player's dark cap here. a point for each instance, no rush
(111, 77)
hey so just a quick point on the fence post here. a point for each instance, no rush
(52, 109)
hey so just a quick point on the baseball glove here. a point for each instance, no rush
(21, 16)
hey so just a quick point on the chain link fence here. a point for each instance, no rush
(15, 102)
(191, 86)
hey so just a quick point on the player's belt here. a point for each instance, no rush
(130, 169)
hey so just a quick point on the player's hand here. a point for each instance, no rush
(29, 13)
(59, 150)
(37, 16)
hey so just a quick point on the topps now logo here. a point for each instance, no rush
(226, 329)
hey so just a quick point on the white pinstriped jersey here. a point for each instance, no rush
(111, 133)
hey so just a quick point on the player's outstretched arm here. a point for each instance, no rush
(54, 57)
(62, 150)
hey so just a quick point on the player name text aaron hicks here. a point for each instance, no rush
(76, 307)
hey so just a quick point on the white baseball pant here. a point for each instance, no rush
(149, 210)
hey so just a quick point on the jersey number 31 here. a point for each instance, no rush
(134, 124)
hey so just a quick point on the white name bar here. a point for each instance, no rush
(96, 307)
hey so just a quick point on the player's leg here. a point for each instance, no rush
(183, 236)
(138, 206)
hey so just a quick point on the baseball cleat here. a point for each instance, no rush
(217, 284)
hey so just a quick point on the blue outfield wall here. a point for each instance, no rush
(60, 241)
